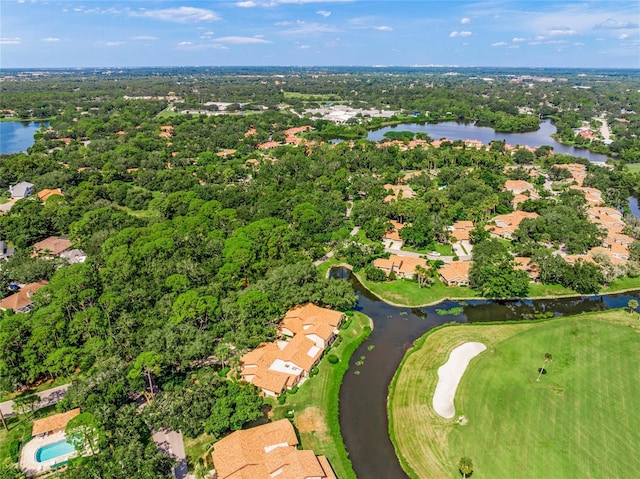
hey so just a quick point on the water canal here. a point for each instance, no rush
(363, 395)
(461, 131)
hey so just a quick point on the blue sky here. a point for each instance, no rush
(77, 33)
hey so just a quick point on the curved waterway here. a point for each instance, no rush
(363, 396)
(461, 131)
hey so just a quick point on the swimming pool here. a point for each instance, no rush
(51, 451)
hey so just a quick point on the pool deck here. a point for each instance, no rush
(30, 467)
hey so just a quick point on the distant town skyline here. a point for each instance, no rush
(75, 33)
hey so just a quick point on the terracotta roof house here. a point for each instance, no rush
(455, 273)
(578, 171)
(522, 191)
(45, 194)
(393, 234)
(506, 225)
(268, 145)
(525, 264)
(398, 191)
(21, 190)
(592, 195)
(608, 218)
(402, 266)
(21, 302)
(52, 246)
(276, 366)
(54, 423)
(461, 229)
(266, 452)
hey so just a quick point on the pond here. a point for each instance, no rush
(17, 136)
(363, 396)
(460, 131)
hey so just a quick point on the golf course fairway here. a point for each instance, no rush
(581, 419)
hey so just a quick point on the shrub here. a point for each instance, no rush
(349, 313)
(224, 371)
(14, 450)
(314, 371)
(293, 390)
(392, 276)
(374, 274)
(282, 398)
(333, 359)
(346, 324)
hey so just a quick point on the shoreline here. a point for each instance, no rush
(480, 298)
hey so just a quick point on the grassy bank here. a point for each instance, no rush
(315, 405)
(578, 421)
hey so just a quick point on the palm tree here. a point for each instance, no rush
(547, 359)
(465, 466)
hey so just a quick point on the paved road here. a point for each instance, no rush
(47, 398)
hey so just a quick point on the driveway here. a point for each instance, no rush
(47, 398)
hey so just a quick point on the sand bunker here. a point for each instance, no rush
(449, 375)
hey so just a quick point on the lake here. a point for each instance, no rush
(460, 131)
(17, 136)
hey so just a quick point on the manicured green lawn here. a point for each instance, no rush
(20, 427)
(580, 421)
(407, 293)
(633, 167)
(315, 405)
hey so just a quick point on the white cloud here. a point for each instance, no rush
(578, 44)
(383, 28)
(499, 44)
(561, 31)
(248, 4)
(142, 38)
(463, 33)
(241, 40)
(465, 20)
(611, 24)
(10, 41)
(51, 39)
(324, 13)
(518, 39)
(184, 44)
(179, 15)
(310, 28)
(304, 47)
(113, 44)
(623, 36)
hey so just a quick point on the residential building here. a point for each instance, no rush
(592, 195)
(74, 256)
(265, 452)
(398, 191)
(21, 190)
(53, 424)
(306, 331)
(526, 265)
(45, 194)
(401, 266)
(5, 251)
(460, 230)
(504, 226)
(22, 301)
(578, 171)
(455, 273)
(392, 236)
(522, 191)
(50, 247)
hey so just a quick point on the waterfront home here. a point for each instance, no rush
(401, 266)
(578, 171)
(526, 265)
(522, 191)
(460, 230)
(455, 273)
(22, 301)
(265, 452)
(305, 332)
(592, 195)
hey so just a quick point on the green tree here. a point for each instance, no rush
(465, 466)
(632, 305)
